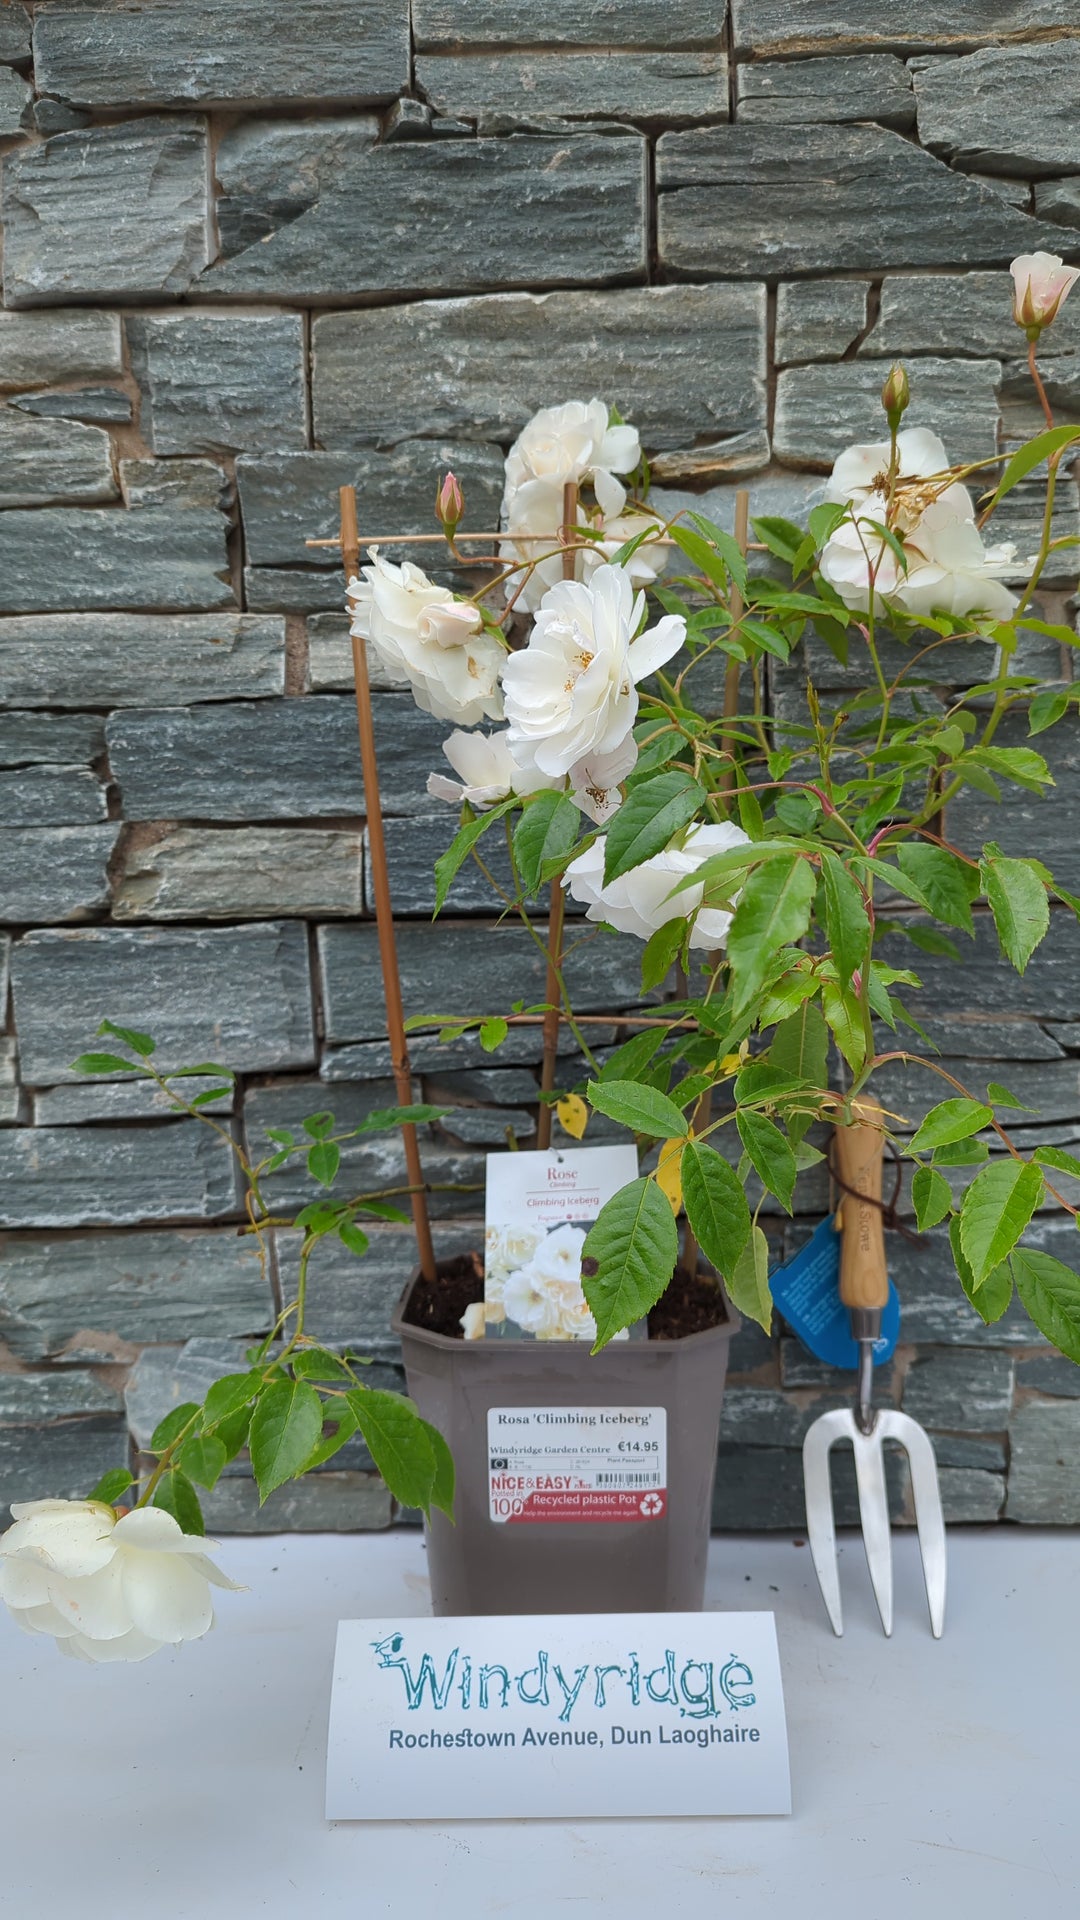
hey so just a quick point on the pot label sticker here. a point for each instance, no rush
(577, 1463)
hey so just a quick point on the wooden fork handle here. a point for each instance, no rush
(864, 1276)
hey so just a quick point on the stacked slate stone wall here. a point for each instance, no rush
(252, 252)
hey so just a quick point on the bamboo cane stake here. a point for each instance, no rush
(384, 911)
(552, 990)
(703, 1111)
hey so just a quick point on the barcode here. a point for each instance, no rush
(628, 1479)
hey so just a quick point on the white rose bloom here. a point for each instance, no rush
(506, 1248)
(545, 1297)
(106, 1588)
(949, 569)
(487, 769)
(642, 900)
(644, 565)
(861, 471)
(571, 694)
(561, 444)
(427, 640)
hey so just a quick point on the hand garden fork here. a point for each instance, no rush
(864, 1289)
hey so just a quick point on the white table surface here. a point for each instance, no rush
(934, 1780)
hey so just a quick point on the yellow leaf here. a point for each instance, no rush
(573, 1115)
(669, 1172)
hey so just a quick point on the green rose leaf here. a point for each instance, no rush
(748, 1281)
(167, 1430)
(773, 910)
(628, 1257)
(1018, 902)
(544, 836)
(228, 1395)
(951, 1120)
(994, 1212)
(175, 1494)
(285, 1429)
(1051, 1293)
(847, 924)
(931, 1197)
(770, 1154)
(103, 1063)
(449, 863)
(947, 885)
(641, 1108)
(990, 1300)
(399, 1443)
(139, 1043)
(648, 817)
(112, 1485)
(202, 1458)
(715, 1206)
(323, 1161)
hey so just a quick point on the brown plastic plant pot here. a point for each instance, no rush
(479, 1565)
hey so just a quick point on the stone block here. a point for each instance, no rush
(964, 1392)
(968, 313)
(490, 1127)
(772, 26)
(13, 1102)
(112, 1175)
(1050, 1087)
(1044, 1474)
(106, 210)
(479, 214)
(370, 1059)
(819, 319)
(51, 797)
(291, 590)
(372, 1163)
(16, 104)
(35, 1399)
(115, 660)
(41, 347)
(766, 1417)
(682, 362)
(166, 1377)
(1048, 988)
(329, 1502)
(15, 26)
(214, 382)
(172, 53)
(350, 1301)
(869, 86)
(970, 1495)
(860, 199)
(48, 462)
(574, 23)
(800, 1368)
(55, 873)
(820, 410)
(239, 995)
(95, 1296)
(412, 848)
(461, 970)
(1059, 201)
(1019, 519)
(286, 500)
(971, 1450)
(1049, 1373)
(51, 739)
(761, 1489)
(74, 1106)
(193, 873)
(713, 461)
(174, 483)
(1002, 109)
(1028, 824)
(111, 560)
(496, 88)
(329, 657)
(271, 760)
(63, 1461)
(5, 970)
(110, 405)
(497, 1086)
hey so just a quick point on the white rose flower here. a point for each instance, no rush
(645, 564)
(558, 445)
(106, 1587)
(949, 568)
(545, 1297)
(427, 640)
(1041, 282)
(571, 694)
(863, 470)
(642, 900)
(506, 1248)
(488, 772)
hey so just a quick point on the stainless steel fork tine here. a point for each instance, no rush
(874, 1518)
(929, 1518)
(820, 1525)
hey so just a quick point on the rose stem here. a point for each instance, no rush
(553, 989)
(384, 912)
(703, 1111)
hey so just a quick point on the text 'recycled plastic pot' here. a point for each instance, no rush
(649, 1557)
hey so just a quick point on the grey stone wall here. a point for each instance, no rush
(252, 252)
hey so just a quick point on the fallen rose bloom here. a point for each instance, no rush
(106, 1587)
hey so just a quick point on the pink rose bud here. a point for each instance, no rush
(449, 503)
(1040, 285)
(895, 395)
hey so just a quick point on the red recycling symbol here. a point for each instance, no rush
(651, 1504)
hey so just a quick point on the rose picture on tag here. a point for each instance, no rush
(540, 1207)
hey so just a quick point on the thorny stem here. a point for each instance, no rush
(1037, 380)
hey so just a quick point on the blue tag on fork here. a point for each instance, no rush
(807, 1293)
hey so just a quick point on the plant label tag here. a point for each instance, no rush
(557, 1717)
(577, 1463)
(807, 1292)
(540, 1206)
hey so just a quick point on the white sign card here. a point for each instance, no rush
(539, 1208)
(557, 1716)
